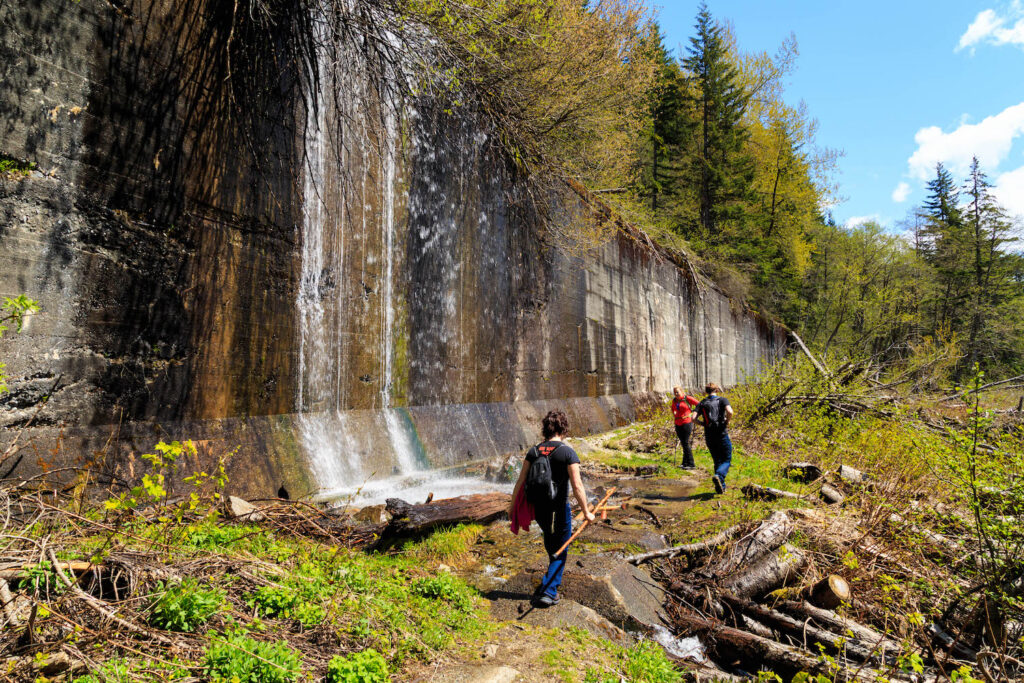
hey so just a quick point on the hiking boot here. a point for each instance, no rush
(719, 486)
(546, 600)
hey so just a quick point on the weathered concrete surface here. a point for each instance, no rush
(163, 236)
(622, 593)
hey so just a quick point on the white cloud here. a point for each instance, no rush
(854, 221)
(1009, 190)
(990, 140)
(994, 28)
(900, 194)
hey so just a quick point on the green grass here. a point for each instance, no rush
(445, 545)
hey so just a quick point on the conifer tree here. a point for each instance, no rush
(722, 172)
(660, 175)
(987, 229)
(944, 248)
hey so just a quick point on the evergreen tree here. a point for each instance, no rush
(722, 171)
(659, 176)
(943, 246)
(987, 229)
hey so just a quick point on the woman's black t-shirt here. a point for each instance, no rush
(562, 455)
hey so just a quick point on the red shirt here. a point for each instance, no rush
(681, 409)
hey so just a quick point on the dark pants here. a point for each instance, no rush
(685, 432)
(721, 453)
(556, 523)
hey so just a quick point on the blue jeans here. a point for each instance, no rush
(721, 453)
(556, 524)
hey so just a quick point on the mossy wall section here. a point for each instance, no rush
(162, 233)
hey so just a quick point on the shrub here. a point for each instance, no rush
(237, 658)
(367, 666)
(185, 606)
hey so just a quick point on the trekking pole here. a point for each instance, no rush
(584, 525)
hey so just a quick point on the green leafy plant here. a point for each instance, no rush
(367, 666)
(185, 606)
(445, 587)
(647, 663)
(17, 167)
(13, 312)
(237, 658)
(286, 602)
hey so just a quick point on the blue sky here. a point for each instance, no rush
(896, 85)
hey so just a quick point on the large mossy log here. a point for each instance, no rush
(481, 508)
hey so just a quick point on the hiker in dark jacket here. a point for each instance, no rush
(681, 404)
(552, 511)
(714, 413)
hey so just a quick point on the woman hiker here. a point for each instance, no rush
(684, 423)
(549, 496)
(714, 413)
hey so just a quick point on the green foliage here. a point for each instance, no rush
(237, 658)
(367, 666)
(13, 312)
(444, 587)
(287, 603)
(120, 670)
(647, 663)
(184, 606)
(15, 167)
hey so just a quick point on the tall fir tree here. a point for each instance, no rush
(659, 176)
(722, 174)
(944, 248)
(987, 228)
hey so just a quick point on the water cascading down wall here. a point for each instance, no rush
(343, 292)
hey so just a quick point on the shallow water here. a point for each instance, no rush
(412, 488)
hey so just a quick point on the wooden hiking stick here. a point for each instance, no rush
(604, 510)
(585, 523)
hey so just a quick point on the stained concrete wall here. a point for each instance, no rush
(162, 234)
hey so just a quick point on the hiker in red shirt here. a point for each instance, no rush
(684, 423)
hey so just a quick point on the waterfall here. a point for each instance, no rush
(352, 143)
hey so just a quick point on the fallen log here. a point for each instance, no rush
(943, 544)
(772, 533)
(481, 508)
(831, 495)
(805, 472)
(758, 492)
(802, 632)
(690, 550)
(770, 571)
(830, 592)
(839, 625)
(731, 646)
(851, 475)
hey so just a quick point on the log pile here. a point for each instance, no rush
(753, 599)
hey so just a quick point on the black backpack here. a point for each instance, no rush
(714, 413)
(540, 485)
